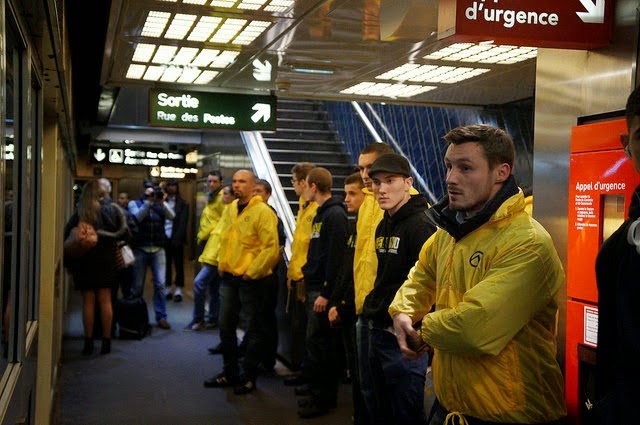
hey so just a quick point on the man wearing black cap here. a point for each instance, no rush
(176, 232)
(394, 384)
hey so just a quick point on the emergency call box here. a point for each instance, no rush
(601, 184)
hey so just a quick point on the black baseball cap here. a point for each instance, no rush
(391, 163)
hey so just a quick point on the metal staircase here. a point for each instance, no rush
(305, 133)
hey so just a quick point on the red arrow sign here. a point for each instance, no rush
(569, 24)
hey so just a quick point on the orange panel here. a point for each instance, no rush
(598, 136)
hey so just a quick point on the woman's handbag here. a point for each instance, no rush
(124, 256)
(81, 239)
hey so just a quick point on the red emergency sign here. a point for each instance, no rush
(566, 24)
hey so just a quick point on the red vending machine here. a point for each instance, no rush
(601, 182)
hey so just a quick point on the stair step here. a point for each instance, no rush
(303, 124)
(286, 133)
(294, 156)
(300, 104)
(283, 167)
(300, 114)
(306, 145)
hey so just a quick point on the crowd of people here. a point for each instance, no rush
(391, 285)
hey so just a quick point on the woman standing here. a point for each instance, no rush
(94, 273)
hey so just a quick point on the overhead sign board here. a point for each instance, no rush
(135, 156)
(568, 24)
(187, 109)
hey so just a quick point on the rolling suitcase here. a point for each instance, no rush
(132, 317)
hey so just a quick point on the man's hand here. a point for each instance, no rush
(409, 340)
(334, 316)
(320, 304)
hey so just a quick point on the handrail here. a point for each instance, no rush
(263, 167)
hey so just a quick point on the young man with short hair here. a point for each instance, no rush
(492, 273)
(327, 245)
(393, 386)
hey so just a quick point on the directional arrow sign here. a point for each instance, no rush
(263, 111)
(99, 155)
(565, 24)
(262, 70)
(594, 13)
(173, 108)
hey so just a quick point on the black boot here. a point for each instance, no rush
(106, 346)
(88, 347)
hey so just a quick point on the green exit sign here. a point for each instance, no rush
(187, 109)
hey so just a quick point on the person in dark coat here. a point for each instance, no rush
(94, 274)
(327, 246)
(617, 276)
(176, 232)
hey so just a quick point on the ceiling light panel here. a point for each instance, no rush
(431, 73)
(213, 29)
(387, 89)
(274, 6)
(484, 53)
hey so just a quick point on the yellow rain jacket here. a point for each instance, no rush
(210, 216)
(250, 243)
(301, 238)
(494, 325)
(212, 248)
(365, 260)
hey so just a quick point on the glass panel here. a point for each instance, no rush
(613, 214)
(9, 196)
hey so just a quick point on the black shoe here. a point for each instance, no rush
(87, 350)
(309, 401)
(312, 410)
(294, 380)
(219, 381)
(177, 298)
(216, 350)
(245, 387)
(169, 296)
(106, 346)
(302, 390)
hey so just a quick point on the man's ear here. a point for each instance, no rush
(503, 171)
(624, 141)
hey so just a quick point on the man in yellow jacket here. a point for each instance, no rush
(299, 247)
(248, 254)
(493, 274)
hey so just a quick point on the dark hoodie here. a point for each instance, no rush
(399, 239)
(618, 279)
(329, 233)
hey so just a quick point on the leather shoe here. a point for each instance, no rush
(309, 401)
(163, 324)
(302, 390)
(245, 387)
(312, 410)
(216, 350)
(177, 298)
(218, 381)
(294, 380)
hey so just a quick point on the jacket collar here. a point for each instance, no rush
(445, 218)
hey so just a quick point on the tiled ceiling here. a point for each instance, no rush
(320, 49)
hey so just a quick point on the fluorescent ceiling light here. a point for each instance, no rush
(431, 73)
(484, 53)
(387, 89)
(208, 28)
(155, 24)
(304, 70)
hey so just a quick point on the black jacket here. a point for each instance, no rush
(618, 352)
(399, 239)
(343, 297)
(180, 221)
(329, 232)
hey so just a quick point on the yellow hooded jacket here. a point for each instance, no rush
(301, 238)
(494, 325)
(212, 248)
(250, 243)
(210, 216)
(365, 261)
